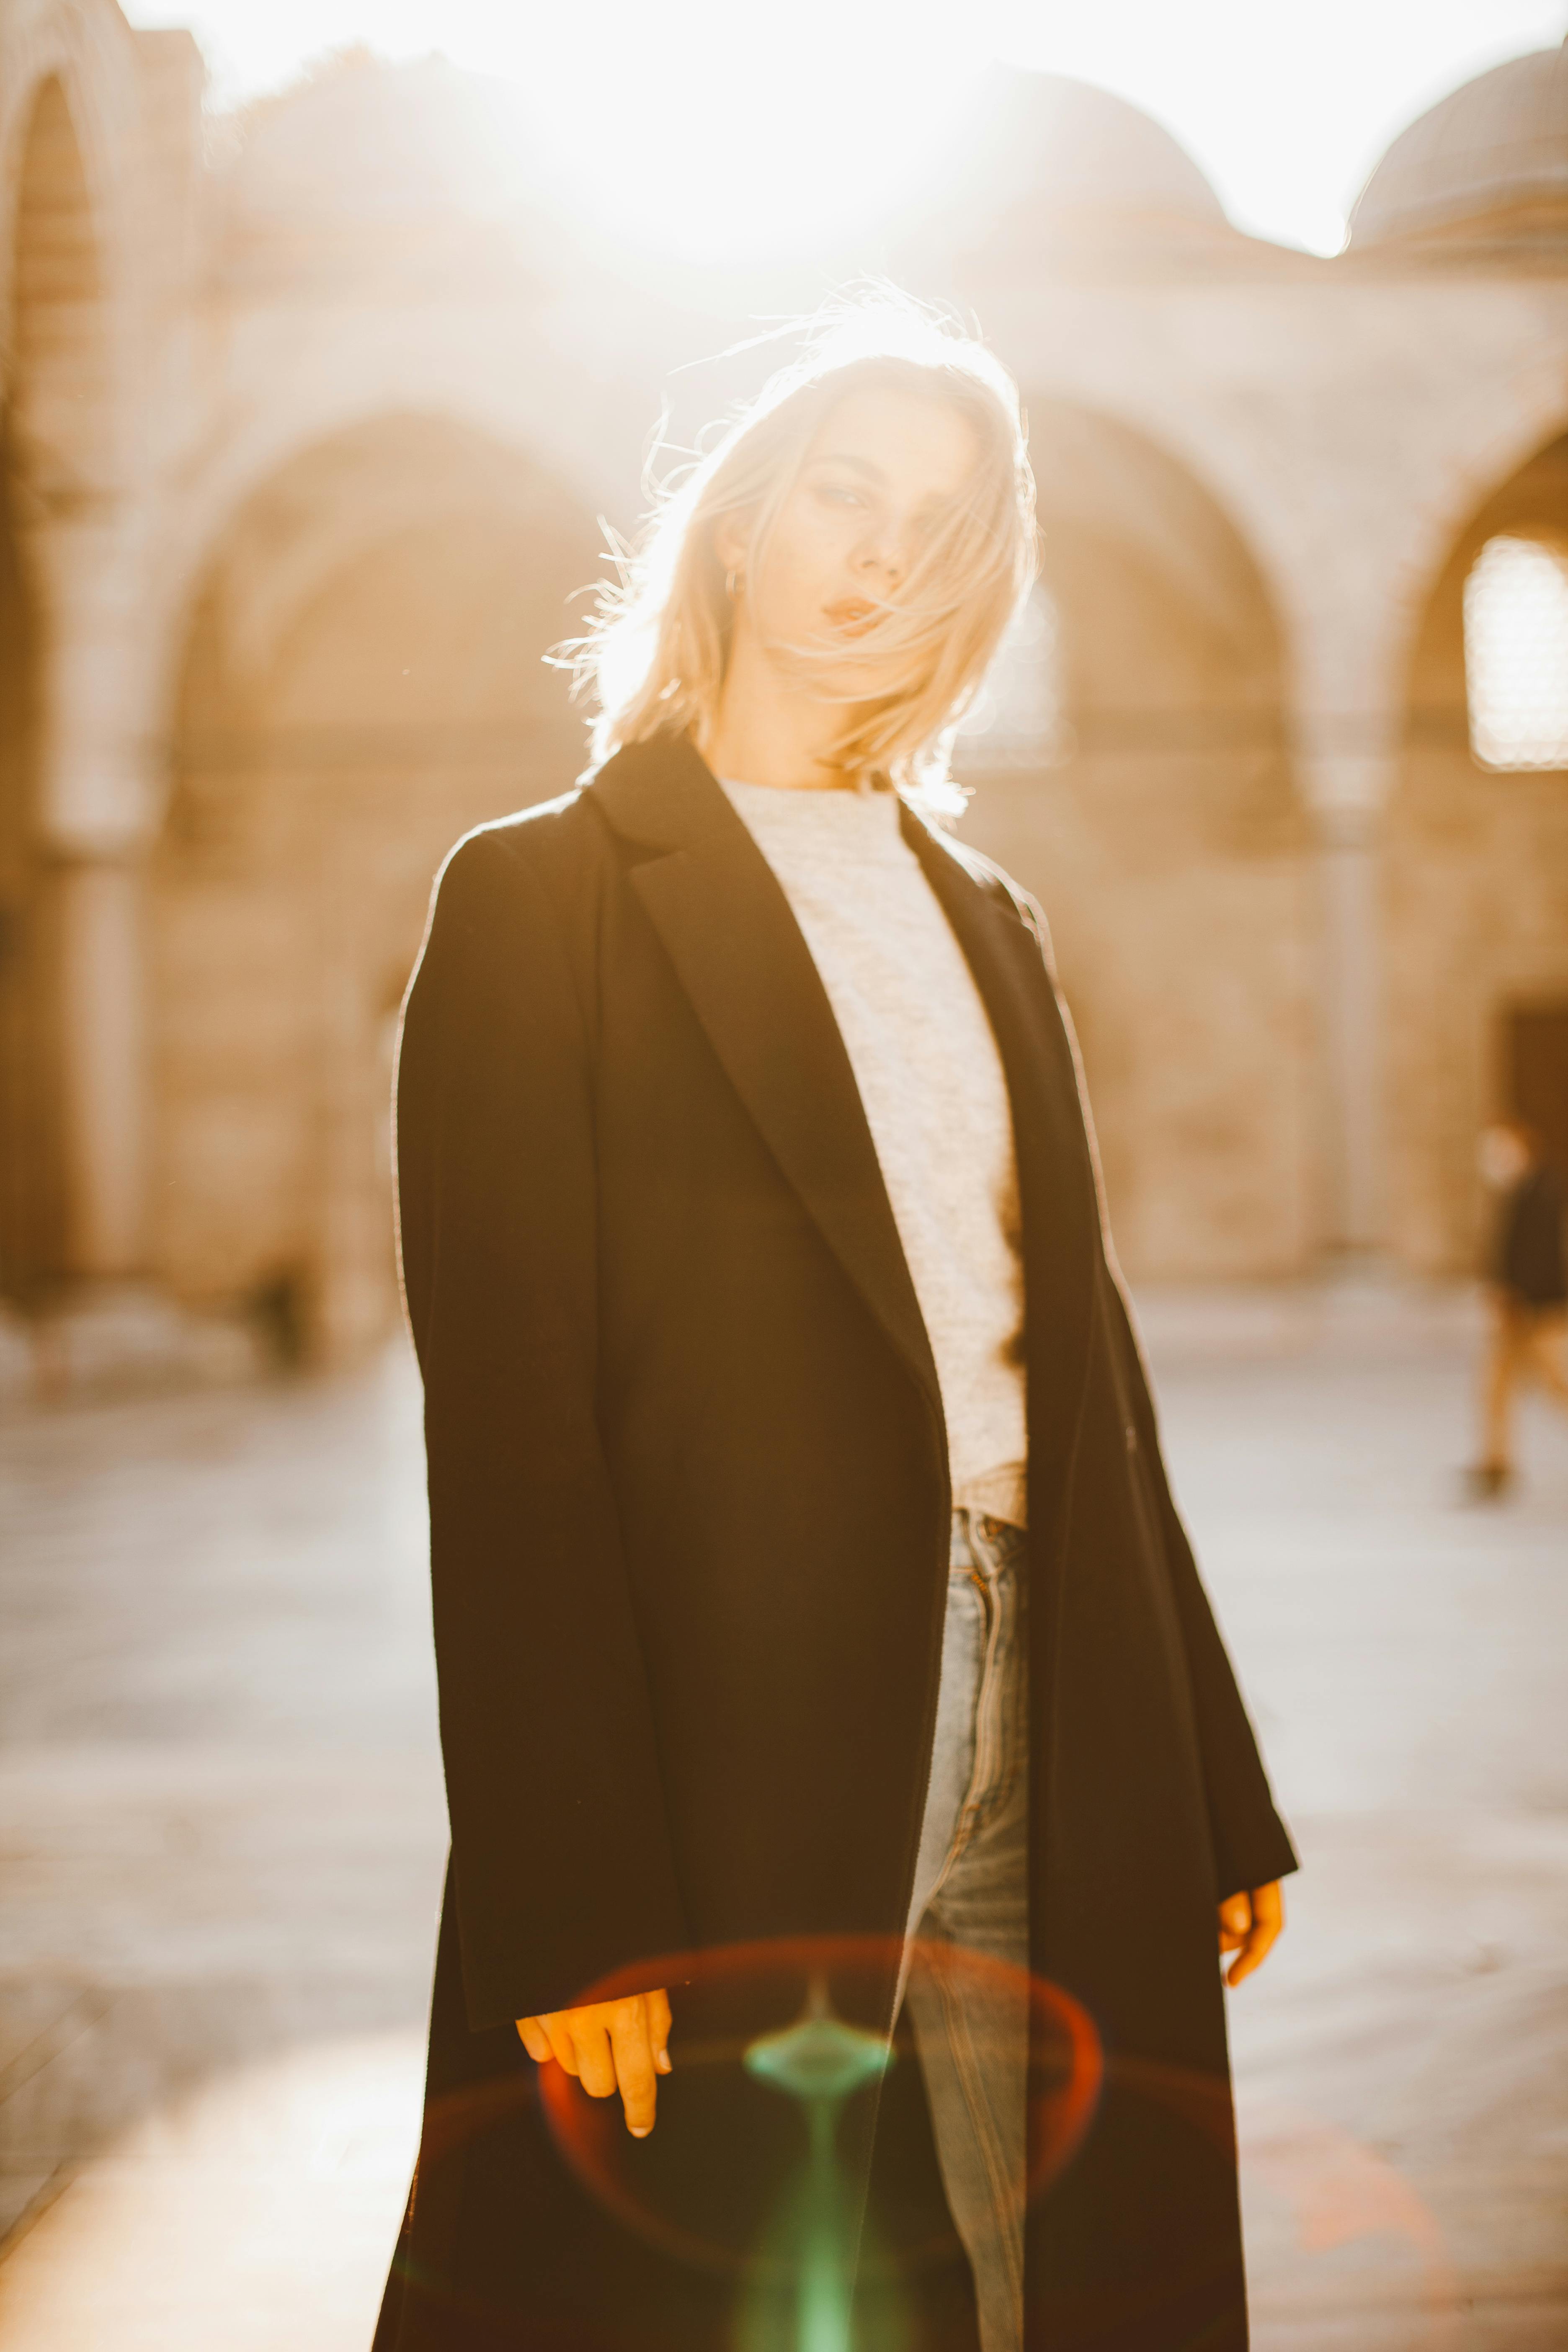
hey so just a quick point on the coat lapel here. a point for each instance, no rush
(1056, 1187)
(739, 954)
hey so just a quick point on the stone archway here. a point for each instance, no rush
(1475, 902)
(55, 473)
(1165, 840)
(362, 682)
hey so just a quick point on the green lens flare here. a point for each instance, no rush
(821, 2062)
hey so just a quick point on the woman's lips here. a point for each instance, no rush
(852, 616)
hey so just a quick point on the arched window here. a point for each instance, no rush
(1016, 720)
(1516, 654)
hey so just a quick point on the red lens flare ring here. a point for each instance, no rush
(748, 2009)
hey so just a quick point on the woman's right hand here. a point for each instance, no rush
(609, 2046)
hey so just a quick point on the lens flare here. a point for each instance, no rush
(808, 2016)
(765, 2169)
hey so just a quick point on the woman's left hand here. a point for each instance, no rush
(1249, 1926)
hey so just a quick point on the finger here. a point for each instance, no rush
(634, 2064)
(1250, 1958)
(596, 2066)
(1268, 1918)
(1234, 1921)
(534, 2040)
(659, 2021)
(562, 2049)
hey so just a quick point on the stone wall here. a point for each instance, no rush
(354, 698)
(1475, 902)
(309, 416)
(1168, 850)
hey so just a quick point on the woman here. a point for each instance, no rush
(1528, 1292)
(803, 1563)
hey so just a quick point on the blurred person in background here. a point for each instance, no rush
(802, 1562)
(1528, 1292)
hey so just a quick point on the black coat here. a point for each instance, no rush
(690, 1510)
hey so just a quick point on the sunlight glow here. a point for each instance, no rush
(756, 132)
(1516, 654)
(710, 130)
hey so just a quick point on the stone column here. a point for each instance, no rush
(1347, 792)
(101, 953)
(98, 805)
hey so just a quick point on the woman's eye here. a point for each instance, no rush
(839, 495)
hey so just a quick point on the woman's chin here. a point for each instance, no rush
(846, 680)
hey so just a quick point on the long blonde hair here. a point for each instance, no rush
(657, 648)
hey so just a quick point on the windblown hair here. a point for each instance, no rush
(656, 650)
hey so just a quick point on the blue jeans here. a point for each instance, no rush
(971, 1895)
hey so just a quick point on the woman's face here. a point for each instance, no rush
(883, 469)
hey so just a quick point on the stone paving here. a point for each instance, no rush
(221, 1822)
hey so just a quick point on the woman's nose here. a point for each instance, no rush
(886, 557)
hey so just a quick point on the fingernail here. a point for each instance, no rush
(662, 2061)
(640, 2131)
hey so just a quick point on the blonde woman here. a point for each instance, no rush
(803, 1567)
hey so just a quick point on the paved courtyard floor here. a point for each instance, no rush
(222, 1832)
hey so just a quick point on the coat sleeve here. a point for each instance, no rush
(1251, 1844)
(561, 1853)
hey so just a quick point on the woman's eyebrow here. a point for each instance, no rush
(872, 472)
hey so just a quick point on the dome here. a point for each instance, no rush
(1040, 151)
(1499, 145)
(406, 178)
(365, 143)
(1084, 150)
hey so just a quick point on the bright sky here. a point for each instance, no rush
(705, 123)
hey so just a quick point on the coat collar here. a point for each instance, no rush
(738, 952)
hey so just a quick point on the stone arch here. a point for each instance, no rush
(1491, 439)
(78, 58)
(60, 374)
(56, 463)
(1476, 898)
(478, 378)
(1163, 837)
(361, 681)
